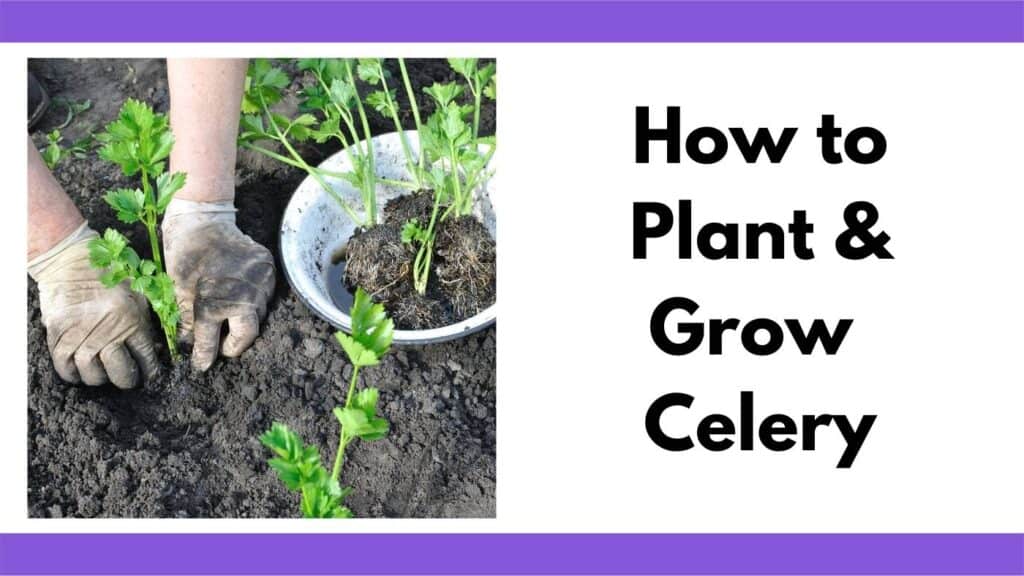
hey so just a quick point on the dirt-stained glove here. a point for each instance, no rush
(220, 274)
(95, 334)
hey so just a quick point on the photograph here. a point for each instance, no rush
(262, 288)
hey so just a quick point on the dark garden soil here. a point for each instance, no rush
(185, 444)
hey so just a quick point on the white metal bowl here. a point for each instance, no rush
(315, 227)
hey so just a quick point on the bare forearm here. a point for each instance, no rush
(206, 97)
(52, 216)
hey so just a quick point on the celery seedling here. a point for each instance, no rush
(263, 88)
(415, 111)
(299, 468)
(458, 168)
(371, 71)
(479, 79)
(423, 238)
(336, 96)
(53, 152)
(298, 465)
(447, 139)
(140, 141)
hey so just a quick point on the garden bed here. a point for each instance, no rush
(186, 444)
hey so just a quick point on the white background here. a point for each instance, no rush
(933, 349)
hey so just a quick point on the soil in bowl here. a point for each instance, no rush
(462, 278)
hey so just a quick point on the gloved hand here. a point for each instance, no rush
(219, 274)
(95, 334)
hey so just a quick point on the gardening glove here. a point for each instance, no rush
(95, 334)
(220, 274)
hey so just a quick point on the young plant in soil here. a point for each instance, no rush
(140, 141)
(298, 465)
(264, 85)
(335, 96)
(458, 168)
(480, 81)
(384, 101)
(54, 153)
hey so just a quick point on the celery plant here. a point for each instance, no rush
(458, 168)
(336, 96)
(414, 233)
(415, 111)
(371, 71)
(263, 88)
(54, 153)
(479, 81)
(140, 141)
(299, 466)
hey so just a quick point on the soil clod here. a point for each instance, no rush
(379, 263)
(466, 261)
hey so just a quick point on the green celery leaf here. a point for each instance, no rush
(357, 354)
(275, 78)
(112, 278)
(376, 429)
(327, 129)
(51, 155)
(305, 120)
(464, 66)
(314, 97)
(357, 424)
(115, 241)
(370, 70)
(300, 127)
(312, 64)
(343, 94)
(141, 284)
(381, 101)
(352, 419)
(167, 185)
(252, 123)
(162, 148)
(366, 400)
(443, 94)
(123, 153)
(411, 231)
(136, 117)
(99, 253)
(127, 204)
(371, 326)
(288, 472)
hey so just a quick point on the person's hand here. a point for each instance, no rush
(95, 334)
(219, 274)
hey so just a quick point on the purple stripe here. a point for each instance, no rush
(513, 21)
(512, 554)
